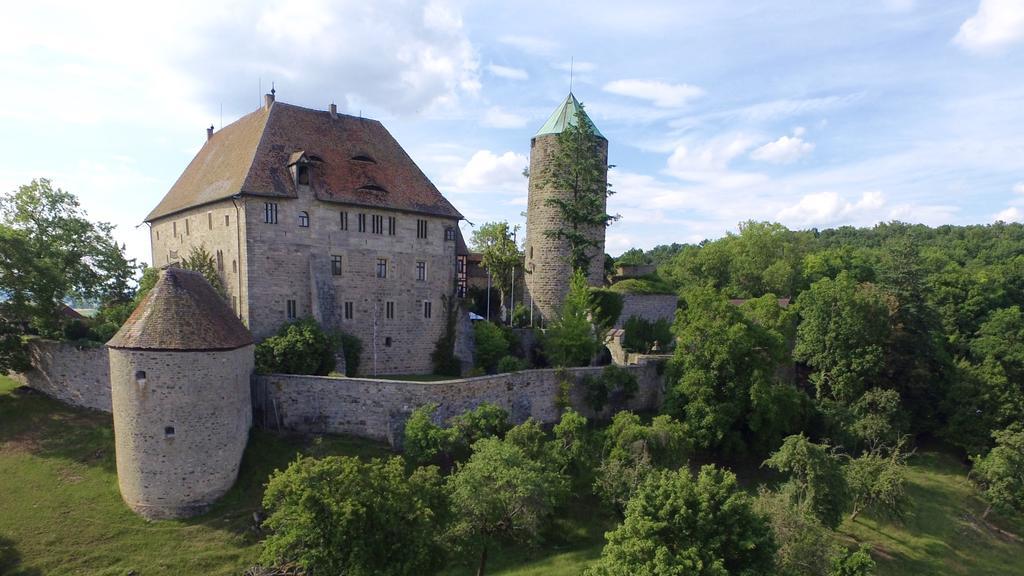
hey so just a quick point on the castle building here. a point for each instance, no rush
(548, 268)
(316, 213)
(179, 375)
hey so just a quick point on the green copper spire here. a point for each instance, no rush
(565, 115)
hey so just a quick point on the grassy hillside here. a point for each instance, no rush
(60, 511)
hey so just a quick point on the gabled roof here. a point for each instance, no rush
(565, 115)
(251, 156)
(182, 312)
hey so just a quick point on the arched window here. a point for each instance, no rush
(304, 219)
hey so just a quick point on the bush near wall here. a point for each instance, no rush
(301, 347)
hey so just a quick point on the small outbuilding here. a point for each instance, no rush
(180, 371)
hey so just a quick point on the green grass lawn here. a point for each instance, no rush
(61, 513)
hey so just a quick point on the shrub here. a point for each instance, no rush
(606, 306)
(570, 340)
(426, 442)
(615, 383)
(641, 334)
(443, 358)
(520, 316)
(301, 347)
(76, 330)
(353, 350)
(647, 285)
(511, 364)
(491, 345)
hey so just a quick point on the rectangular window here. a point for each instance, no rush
(344, 220)
(292, 311)
(392, 226)
(157, 234)
(421, 228)
(234, 303)
(427, 305)
(382, 267)
(174, 229)
(209, 220)
(336, 265)
(378, 224)
(227, 220)
(270, 212)
(421, 271)
(349, 310)
(220, 260)
(362, 222)
(187, 232)
(389, 310)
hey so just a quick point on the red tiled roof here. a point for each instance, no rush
(182, 312)
(251, 156)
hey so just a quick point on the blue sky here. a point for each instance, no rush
(814, 114)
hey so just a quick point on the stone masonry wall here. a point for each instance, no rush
(290, 262)
(75, 376)
(650, 307)
(547, 259)
(378, 409)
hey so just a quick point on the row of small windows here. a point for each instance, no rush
(382, 267)
(291, 309)
(188, 227)
(378, 223)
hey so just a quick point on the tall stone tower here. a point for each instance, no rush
(179, 374)
(547, 259)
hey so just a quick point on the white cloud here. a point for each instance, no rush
(785, 150)
(998, 23)
(529, 44)
(1011, 214)
(825, 208)
(577, 66)
(1019, 188)
(708, 162)
(507, 72)
(660, 93)
(489, 173)
(495, 117)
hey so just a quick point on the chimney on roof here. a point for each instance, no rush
(334, 110)
(268, 100)
(209, 133)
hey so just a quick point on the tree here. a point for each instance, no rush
(338, 515)
(578, 171)
(300, 347)
(496, 243)
(570, 340)
(683, 525)
(500, 494)
(844, 328)
(492, 345)
(816, 479)
(804, 544)
(427, 442)
(877, 481)
(1000, 473)
(14, 356)
(50, 251)
(200, 260)
(727, 392)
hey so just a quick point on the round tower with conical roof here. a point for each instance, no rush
(179, 372)
(548, 266)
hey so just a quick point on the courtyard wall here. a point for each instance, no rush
(74, 375)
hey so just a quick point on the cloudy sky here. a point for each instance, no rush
(811, 113)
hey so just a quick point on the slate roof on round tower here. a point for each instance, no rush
(358, 162)
(566, 115)
(182, 312)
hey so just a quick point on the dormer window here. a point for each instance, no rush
(302, 174)
(300, 165)
(373, 189)
(364, 158)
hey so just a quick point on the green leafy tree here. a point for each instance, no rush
(427, 442)
(338, 515)
(877, 481)
(844, 328)
(816, 481)
(577, 169)
(500, 495)
(495, 241)
(575, 447)
(727, 391)
(570, 340)
(492, 344)
(14, 356)
(684, 525)
(804, 544)
(300, 347)
(200, 260)
(1000, 473)
(852, 563)
(50, 251)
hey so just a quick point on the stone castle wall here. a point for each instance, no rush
(650, 307)
(76, 376)
(214, 227)
(547, 260)
(182, 422)
(377, 408)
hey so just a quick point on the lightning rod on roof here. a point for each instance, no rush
(572, 60)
